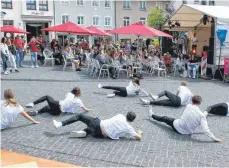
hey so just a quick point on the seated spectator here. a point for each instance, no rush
(192, 66)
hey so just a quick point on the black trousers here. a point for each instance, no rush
(167, 120)
(120, 91)
(194, 46)
(93, 124)
(218, 109)
(52, 107)
(173, 100)
(59, 57)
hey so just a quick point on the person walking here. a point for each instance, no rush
(192, 121)
(11, 56)
(10, 110)
(71, 104)
(183, 97)
(33, 50)
(113, 128)
(132, 89)
(4, 55)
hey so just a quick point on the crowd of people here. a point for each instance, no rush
(192, 121)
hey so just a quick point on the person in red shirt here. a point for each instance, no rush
(19, 44)
(33, 50)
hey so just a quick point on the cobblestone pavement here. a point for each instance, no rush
(159, 146)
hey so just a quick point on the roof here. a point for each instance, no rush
(190, 15)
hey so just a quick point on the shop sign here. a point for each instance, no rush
(37, 13)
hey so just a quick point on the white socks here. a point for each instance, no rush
(100, 86)
(150, 113)
(30, 105)
(57, 124)
(144, 102)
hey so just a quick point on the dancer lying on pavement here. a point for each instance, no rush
(219, 109)
(114, 128)
(132, 89)
(71, 104)
(192, 121)
(10, 110)
(183, 97)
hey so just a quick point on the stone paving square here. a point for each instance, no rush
(159, 146)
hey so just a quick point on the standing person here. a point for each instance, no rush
(132, 89)
(4, 55)
(219, 109)
(33, 50)
(194, 42)
(10, 110)
(180, 45)
(183, 97)
(71, 104)
(19, 44)
(113, 128)
(192, 121)
(12, 53)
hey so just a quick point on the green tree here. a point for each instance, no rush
(156, 18)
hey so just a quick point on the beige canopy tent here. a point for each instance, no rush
(190, 16)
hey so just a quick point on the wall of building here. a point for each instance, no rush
(87, 10)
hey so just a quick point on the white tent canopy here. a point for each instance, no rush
(190, 15)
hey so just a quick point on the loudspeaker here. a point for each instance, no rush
(211, 51)
(219, 74)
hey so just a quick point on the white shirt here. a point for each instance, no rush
(185, 95)
(9, 114)
(117, 127)
(193, 121)
(4, 49)
(134, 89)
(194, 40)
(71, 104)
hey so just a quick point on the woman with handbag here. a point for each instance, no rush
(4, 55)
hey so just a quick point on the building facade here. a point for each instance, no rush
(177, 3)
(129, 12)
(29, 15)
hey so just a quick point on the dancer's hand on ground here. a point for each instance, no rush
(36, 122)
(218, 140)
(89, 110)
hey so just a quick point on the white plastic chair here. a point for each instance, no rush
(67, 61)
(48, 56)
(102, 69)
(156, 68)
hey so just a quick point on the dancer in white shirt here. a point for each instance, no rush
(132, 89)
(113, 128)
(71, 104)
(183, 97)
(193, 121)
(10, 110)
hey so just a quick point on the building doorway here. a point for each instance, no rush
(35, 29)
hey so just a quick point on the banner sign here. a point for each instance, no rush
(226, 65)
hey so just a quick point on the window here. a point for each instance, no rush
(142, 5)
(8, 22)
(80, 20)
(95, 3)
(212, 3)
(143, 20)
(159, 5)
(43, 5)
(126, 4)
(196, 2)
(126, 21)
(107, 3)
(80, 2)
(95, 20)
(7, 4)
(65, 2)
(204, 2)
(64, 19)
(107, 21)
(184, 2)
(31, 4)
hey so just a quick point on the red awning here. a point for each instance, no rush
(98, 31)
(12, 29)
(140, 29)
(69, 27)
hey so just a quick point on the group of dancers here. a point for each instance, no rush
(192, 120)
